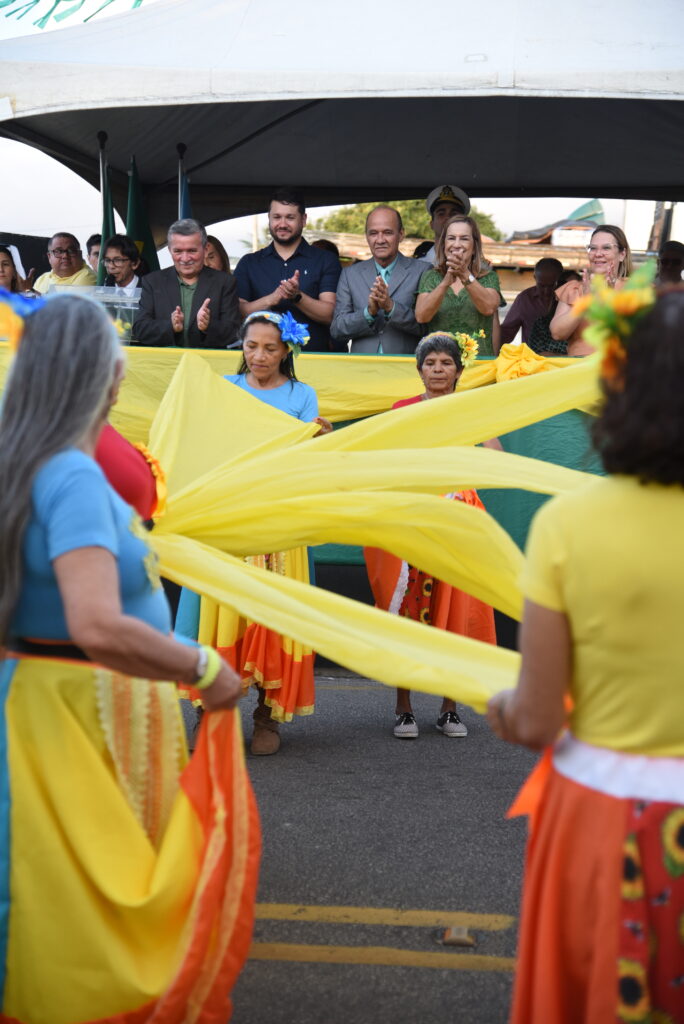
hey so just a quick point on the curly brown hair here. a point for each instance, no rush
(640, 429)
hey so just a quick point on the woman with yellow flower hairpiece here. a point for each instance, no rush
(603, 905)
(403, 589)
(128, 873)
(609, 258)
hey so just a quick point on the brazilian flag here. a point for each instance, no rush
(137, 224)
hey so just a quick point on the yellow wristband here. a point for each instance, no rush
(212, 670)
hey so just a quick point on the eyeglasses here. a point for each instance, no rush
(116, 261)
(593, 249)
(63, 252)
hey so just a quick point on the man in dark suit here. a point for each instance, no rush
(187, 305)
(375, 298)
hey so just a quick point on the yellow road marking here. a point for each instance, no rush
(379, 955)
(382, 916)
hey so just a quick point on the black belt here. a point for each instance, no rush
(49, 649)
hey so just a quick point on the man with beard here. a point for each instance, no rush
(290, 275)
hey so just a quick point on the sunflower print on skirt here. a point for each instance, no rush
(650, 973)
(673, 842)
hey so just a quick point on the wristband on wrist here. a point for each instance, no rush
(297, 297)
(208, 667)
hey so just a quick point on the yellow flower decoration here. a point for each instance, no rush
(581, 305)
(469, 344)
(673, 842)
(660, 1017)
(159, 479)
(632, 878)
(634, 1003)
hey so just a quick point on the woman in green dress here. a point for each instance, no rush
(462, 292)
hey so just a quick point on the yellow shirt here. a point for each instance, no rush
(82, 277)
(611, 557)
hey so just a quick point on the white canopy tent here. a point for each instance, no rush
(360, 101)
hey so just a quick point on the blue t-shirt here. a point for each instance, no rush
(294, 397)
(259, 273)
(73, 507)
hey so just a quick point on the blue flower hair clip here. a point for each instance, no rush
(292, 333)
(14, 309)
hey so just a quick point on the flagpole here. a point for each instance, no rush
(102, 140)
(181, 149)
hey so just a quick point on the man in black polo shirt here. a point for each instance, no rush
(289, 274)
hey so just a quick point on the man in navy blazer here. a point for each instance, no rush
(187, 305)
(375, 298)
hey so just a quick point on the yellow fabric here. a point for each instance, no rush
(348, 387)
(519, 361)
(610, 557)
(365, 639)
(84, 276)
(83, 865)
(311, 493)
(204, 420)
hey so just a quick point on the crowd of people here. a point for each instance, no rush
(84, 623)
(382, 305)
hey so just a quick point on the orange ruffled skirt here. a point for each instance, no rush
(281, 667)
(420, 597)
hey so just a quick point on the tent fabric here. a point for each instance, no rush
(588, 108)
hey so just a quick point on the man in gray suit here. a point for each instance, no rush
(375, 298)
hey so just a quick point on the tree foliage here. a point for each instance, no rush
(352, 219)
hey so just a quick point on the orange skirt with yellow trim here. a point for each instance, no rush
(281, 667)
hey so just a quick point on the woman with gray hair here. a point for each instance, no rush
(105, 825)
(403, 589)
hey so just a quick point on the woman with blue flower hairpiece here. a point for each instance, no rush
(281, 669)
(270, 343)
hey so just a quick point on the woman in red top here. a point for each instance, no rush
(403, 589)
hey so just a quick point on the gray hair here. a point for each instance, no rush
(57, 389)
(438, 341)
(187, 226)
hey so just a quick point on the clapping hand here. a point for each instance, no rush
(379, 297)
(177, 320)
(457, 267)
(290, 286)
(204, 316)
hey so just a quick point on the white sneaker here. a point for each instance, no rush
(451, 725)
(405, 727)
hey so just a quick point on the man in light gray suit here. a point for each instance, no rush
(375, 298)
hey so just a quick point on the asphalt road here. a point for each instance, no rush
(372, 848)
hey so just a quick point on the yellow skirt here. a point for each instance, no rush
(131, 872)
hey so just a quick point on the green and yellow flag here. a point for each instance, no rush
(137, 224)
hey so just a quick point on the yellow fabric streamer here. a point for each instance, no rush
(348, 387)
(366, 640)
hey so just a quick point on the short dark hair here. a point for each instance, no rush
(289, 197)
(640, 429)
(672, 246)
(438, 341)
(124, 244)
(385, 206)
(65, 234)
(93, 240)
(549, 263)
(286, 365)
